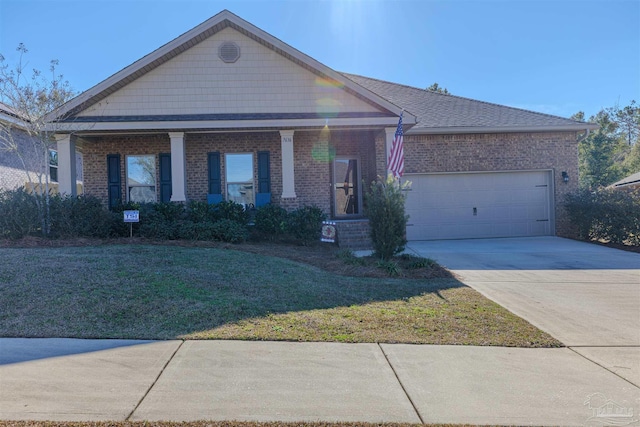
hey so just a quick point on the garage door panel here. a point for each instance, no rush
(441, 206)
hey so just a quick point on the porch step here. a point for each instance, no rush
(354, 234)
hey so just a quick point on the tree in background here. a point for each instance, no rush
(611, 152)
(31, 98)
(436, 88)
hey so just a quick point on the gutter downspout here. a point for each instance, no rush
(583, 137)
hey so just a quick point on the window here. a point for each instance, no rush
(239, 174)
(53, 166)
(141, 179)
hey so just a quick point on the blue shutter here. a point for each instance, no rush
(215, 183)
(264, 173)
(165, 177)
(113, 178)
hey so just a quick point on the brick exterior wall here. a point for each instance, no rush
(198, 145)
(95, 151)
(313, 151)
(555, 151)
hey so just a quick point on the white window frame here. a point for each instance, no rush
(155, 177)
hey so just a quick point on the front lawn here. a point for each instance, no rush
(147, 291)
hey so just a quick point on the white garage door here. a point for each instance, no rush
(479, 205)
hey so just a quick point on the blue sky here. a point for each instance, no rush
(557, 57)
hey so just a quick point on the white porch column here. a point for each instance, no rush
(178, 167)
(66, 147)
(288, 180)
(390, 134)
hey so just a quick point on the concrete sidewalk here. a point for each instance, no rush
(69, 379)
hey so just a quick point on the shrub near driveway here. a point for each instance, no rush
(163, 292)
(606, 214)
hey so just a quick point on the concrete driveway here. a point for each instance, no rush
(585, 295)
(582, 294)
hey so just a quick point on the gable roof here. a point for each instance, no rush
(67, 112)
(440, 113)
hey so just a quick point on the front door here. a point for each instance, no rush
(347, 194)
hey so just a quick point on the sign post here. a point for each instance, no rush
(131, 217)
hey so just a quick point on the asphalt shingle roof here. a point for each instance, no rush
(631, 179)
(440, 112)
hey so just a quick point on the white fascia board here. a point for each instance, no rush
(224, 124)
(505, 129)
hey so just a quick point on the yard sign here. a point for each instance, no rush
(131, 217)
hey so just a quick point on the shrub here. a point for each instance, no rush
(156, 222)
(414, 262)
(305, 224)
(391, 267)
(190, 230)
(18, 214)
(169, 211)
(200, 212)
(605, 214)
(271, 221)
(81, 216)
(231, 211)
(387, 219)
(229, 231)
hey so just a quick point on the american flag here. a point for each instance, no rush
(396, 158)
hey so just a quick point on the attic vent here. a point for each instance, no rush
(229, 52)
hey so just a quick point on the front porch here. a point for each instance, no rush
(327, 168)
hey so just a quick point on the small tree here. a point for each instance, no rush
(387, 219)
(30, 98)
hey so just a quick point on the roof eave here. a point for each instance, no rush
(500, 129)
(221, 125)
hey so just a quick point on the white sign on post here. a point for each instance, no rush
(131, 216)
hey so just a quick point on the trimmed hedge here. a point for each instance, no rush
(18, 214)
(85, 216)
(303, 225)
(605, 214)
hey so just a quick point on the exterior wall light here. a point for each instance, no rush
(565, 176)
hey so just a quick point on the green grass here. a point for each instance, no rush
(164, 292)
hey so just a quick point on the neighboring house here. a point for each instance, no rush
(25, 167)
(632, 182)
(229, 111)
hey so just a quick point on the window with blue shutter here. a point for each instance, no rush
(263, 196)
(215, 183)
(165, 177)
(114, 180)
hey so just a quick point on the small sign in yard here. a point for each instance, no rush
(131, 217)
(328, 232)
